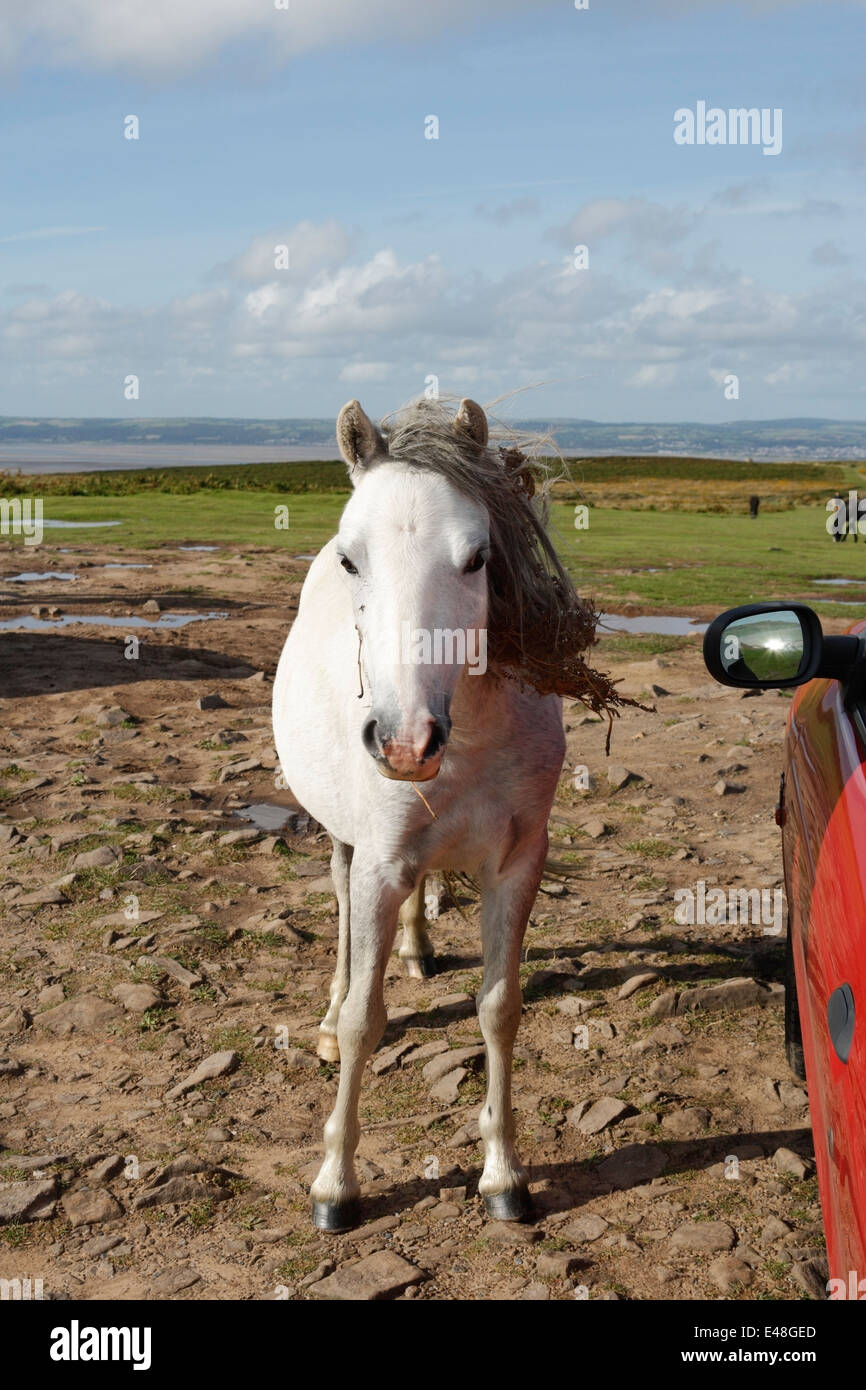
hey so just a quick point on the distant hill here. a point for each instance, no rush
(751, 439)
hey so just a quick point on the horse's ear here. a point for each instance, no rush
(471, 417)
(357, 436)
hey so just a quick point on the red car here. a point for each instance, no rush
(822, 812)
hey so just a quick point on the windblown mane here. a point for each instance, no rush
(538, 626)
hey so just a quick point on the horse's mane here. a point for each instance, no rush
(538, 625)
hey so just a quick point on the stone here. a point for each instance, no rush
(602, 1115)
(381, 1275)
(510, 1233)
(618, 776)
(218, 1064)
(137, 999)
(84, 1207)
(51, 995)
(703, 1236)
(180, 1189)
(585, 1228)
(729, 1273)
(557, 1264)
(445, 1062)
(775, 1229)
(447, 1088)
(27, 1201)
(174, 1281)
(633, 1164)
(664, 1005)
(595, 828)
(792, 1097)
(85, 1013)
(103, 857)
(10, 1066)
(213, 701)
(636, 982)
(390, 1058)
(108, 1168)
(151, 606)
(739, 993)
(809, 1276)
(682, 1124)
(425, 1051)
(171, 967)
(111, 717)
(786, 1161)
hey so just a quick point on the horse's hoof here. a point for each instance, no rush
(336, 1216)
(419, 967)
(328, 1048)
(514, 1205)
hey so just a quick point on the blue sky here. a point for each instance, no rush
(412, 257)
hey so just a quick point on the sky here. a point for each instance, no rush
(418, 262)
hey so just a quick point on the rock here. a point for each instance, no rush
(171, 967)
(739, 993)
(447, 1088)
(585, 1229)
(775, 1229)
(574, 1116)
(390, 1058)
(440, 1065)
(218, 1064)
(786, 1161)
(84, 1207)
(425, 1051)
(51, 995)
(636, 982)
(664, 1004)
(792, 1097)
(27, 1201)
(809, 1276)
(111, 717)
(151, 606)
(636, 1163)
(137, 999)
(246, 836)
(103, 857)
(174, 1281)
(213, 701)
(42, 897)
(180, 1189)
(510, 1233)
(384, 1274)
(108, 1168)
(595, 828)
(85, 1013)
(703, 1236)
(533, 1293)
(685, 1123)
(10, 1066)
(618, 776)
(602, 1114)
(729, 1273)
(723, 788)
(232, 770)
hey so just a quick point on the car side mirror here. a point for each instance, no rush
(768, 646)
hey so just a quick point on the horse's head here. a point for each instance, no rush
(413, 549)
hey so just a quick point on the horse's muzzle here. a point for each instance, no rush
(415, 758)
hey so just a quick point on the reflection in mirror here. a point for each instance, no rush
(763, 647)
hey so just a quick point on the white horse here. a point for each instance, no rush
(381, 687)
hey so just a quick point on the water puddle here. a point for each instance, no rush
(839, 581)
(165, 620)
(652, 623)
(199, 547)
(303, 557)
(31, 577)
(117, 566)
(267, 815)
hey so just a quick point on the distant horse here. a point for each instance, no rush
(382, 689)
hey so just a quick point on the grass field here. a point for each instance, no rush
(660, 558)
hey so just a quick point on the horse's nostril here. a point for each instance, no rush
(438, 737)
(370, 737)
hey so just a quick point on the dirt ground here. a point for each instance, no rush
(146, 928)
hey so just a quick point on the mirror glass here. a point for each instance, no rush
(764, 647)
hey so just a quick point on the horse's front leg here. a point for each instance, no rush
(341, 862)
(416, 948)
(505, 906)
(375, 900)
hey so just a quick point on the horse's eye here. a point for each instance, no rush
(476, 563)
(347, 565)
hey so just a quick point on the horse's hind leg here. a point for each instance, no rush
(505, 906)
(341, 860)
(416, 948)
